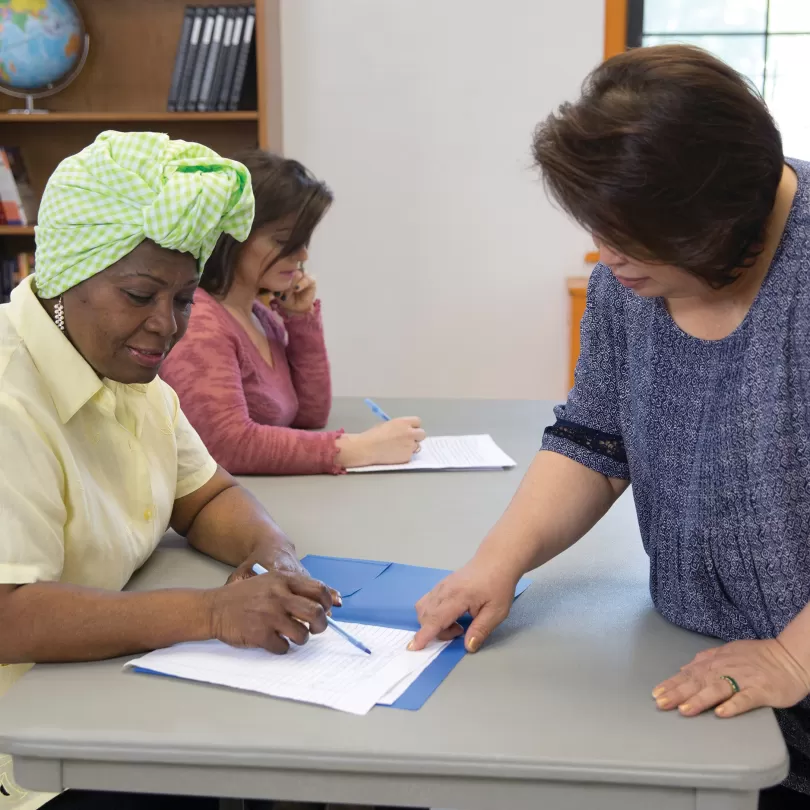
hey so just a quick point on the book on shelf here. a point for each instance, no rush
(18, 203)
(230, 56)
(202, 55)
(13, 269)
(181, 56)
(211, 60)
(243, 88)
(222, 58)
(189, 57)
(215, 60)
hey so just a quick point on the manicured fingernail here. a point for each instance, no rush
(410, 645)
(338, 599)
(658, 692)
(473, 644)
(685, 708)
(663, 703)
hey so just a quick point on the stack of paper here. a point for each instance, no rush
(327, 670)
(451, 453)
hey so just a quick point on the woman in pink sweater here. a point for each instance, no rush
(254, 380)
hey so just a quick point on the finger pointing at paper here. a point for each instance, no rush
(473, 589)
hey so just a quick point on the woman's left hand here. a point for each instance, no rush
(300, 298)
(276, 558)
(273, 558)
(765, 672)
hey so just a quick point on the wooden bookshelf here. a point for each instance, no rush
(124, 85)
(113, 117)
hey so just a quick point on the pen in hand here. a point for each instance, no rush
(377, 410)
(258, 568)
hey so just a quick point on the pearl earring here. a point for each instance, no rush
(59, 314)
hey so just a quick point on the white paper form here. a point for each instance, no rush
(327, 670)
(451, 453)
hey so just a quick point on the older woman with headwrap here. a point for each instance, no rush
(97, 458)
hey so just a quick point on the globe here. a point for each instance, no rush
(43, 46)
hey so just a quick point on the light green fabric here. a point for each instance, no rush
(125, 187)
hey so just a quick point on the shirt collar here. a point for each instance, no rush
(70, 379)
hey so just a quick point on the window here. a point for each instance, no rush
(767, 41)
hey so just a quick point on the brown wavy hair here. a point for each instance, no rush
(284, 190)
(669, 156)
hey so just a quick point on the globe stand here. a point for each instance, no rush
(50, 90)
(29, 108)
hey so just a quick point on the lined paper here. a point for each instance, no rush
(451, 453)
(327, 670)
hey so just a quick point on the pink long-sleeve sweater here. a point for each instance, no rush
(254, 419)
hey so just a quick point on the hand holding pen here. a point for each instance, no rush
(259, 569)
(393, 441)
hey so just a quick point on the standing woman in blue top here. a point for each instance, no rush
(693, 384)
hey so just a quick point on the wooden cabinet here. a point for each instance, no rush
(577, 288)
(577, 291)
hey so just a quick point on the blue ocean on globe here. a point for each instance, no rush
(41, 43)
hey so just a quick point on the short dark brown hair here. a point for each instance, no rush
(669, 156)
(284, 190)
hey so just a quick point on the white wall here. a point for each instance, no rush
(442, 264)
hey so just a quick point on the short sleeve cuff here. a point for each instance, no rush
(19, 574)
(588, 458)
(191, 483)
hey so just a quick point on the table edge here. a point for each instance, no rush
(491, 768)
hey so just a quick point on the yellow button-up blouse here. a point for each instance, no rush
(89, 468)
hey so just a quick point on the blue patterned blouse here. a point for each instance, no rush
(715, 438)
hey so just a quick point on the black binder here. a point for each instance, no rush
(245, 49)
(219, 73)
(210, 67)
(180, 58)
(198, 17)
(202, 58)
(240, 13)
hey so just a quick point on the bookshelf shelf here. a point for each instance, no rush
(16, 230)
(101, 117)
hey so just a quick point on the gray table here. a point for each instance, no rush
(554, 713)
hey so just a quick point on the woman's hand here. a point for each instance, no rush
(274, 557)
(478, 589)
(279, 559)
(765, 672)
(265, 611)
(393, 442)
(300, 298)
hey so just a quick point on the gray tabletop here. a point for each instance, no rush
(556, 708)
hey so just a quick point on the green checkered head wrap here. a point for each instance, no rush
(125, 187)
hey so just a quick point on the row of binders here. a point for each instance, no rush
(215, 65)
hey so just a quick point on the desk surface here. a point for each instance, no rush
(560, 695)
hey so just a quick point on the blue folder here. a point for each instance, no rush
(385, 594)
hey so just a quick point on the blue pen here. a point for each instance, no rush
(258, 568)
(377, 410)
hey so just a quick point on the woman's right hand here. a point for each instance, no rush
(393, 442)
(265, 611)
(478, 589)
